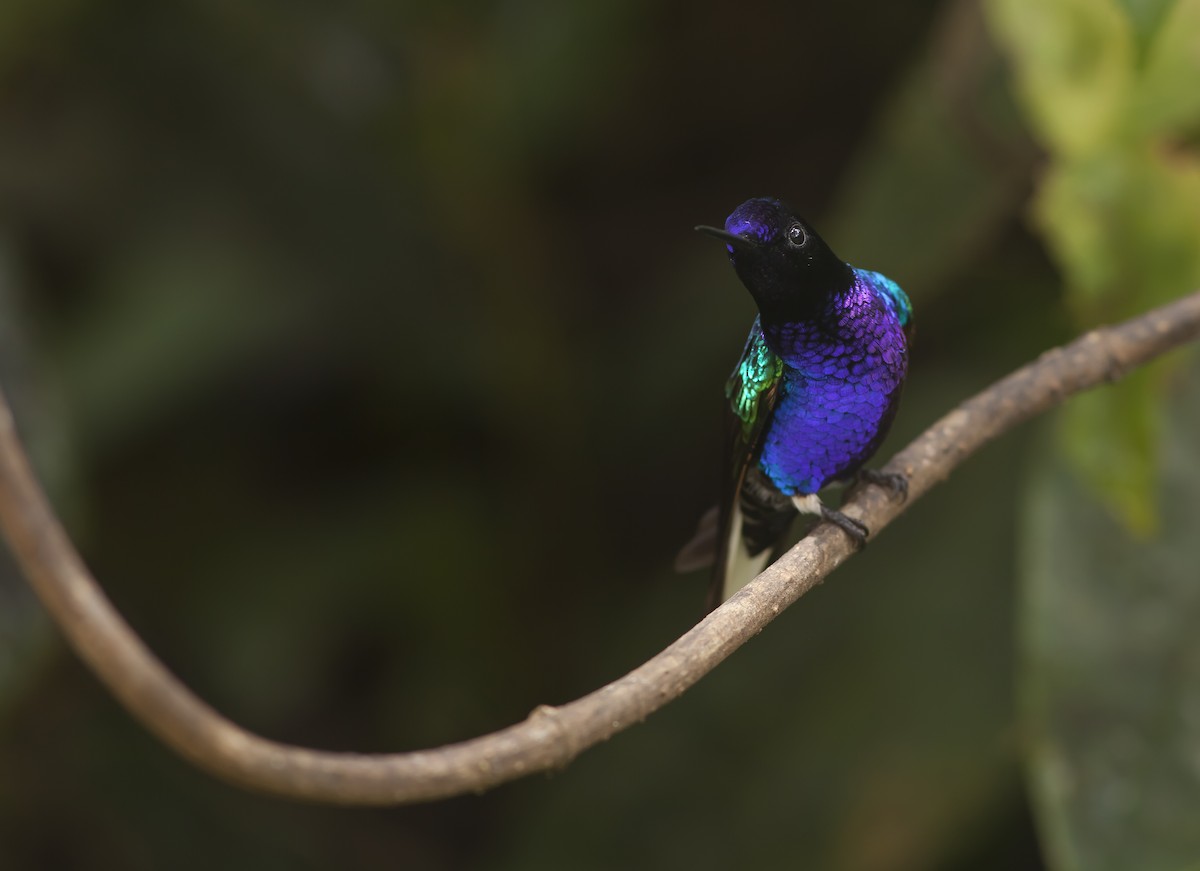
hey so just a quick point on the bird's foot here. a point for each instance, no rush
(857, 531)
(811, 504)
(894, 481)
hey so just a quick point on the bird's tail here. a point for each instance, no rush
(738, 566)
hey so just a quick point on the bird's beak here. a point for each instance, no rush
(740, 243)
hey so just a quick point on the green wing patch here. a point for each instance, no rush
(750, 385)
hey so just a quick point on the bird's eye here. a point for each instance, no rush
(796, 235)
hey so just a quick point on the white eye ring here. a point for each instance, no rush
(796, 235)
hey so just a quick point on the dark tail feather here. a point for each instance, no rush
(701, 551)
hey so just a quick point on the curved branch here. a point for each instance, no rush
(551, 736)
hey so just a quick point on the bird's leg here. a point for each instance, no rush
(812, 504)
(893, 481)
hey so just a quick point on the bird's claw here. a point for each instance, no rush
(857, 531)
(894, 481)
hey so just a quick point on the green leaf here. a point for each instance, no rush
(1146, 16)
(1074, 66)
(1110, 436)
(1110, 87)
(1123, 226)
(1168, 101)
(1110, 677)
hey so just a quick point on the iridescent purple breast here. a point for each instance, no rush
(842, 375)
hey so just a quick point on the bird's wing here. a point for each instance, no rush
(741, 549)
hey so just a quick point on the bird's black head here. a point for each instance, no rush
(785, 265)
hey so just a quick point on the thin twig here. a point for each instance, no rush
(551, 736)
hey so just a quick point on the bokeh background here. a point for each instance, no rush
(370, 356)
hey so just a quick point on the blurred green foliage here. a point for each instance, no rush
(339, 330)
(1108, 650)
(1108, 88)
(1112, 663)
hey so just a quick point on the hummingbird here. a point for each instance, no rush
(812, 396)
